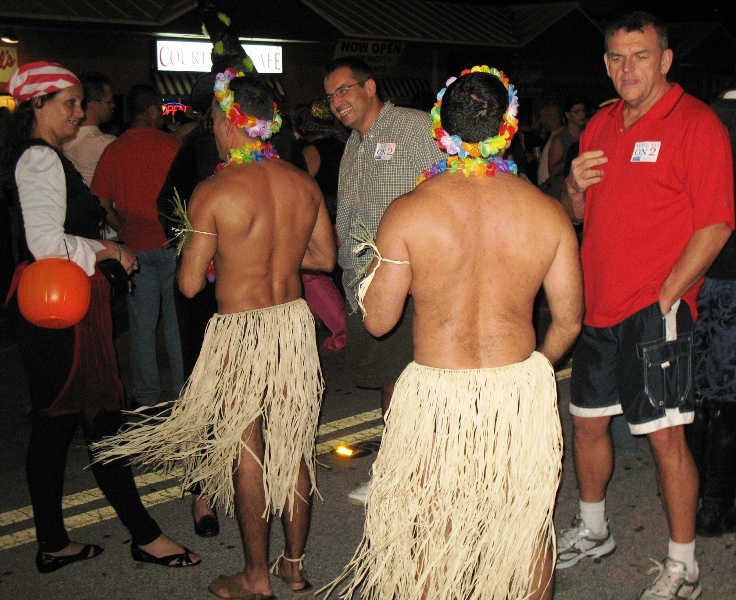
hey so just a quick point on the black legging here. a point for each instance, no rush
(45, 466)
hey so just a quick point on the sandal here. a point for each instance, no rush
(307, 589)
(182, 559)
(48, 563)
(225, 583)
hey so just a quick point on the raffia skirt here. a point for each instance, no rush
(463, 490)
(258, 363)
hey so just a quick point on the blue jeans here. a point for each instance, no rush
(154, 288)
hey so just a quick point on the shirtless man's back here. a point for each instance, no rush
(465, 482)
(260, 220)
(480, 249)
(264, 215)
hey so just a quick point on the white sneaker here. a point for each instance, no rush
(577, 542)
(358, 495)
(671, 583)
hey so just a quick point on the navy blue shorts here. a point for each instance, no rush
(632, 368)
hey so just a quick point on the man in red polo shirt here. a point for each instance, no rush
(128, 179)
(653, 185)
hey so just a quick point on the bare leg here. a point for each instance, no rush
(250, 503)
(386, 393)
(544, 576)
(677, 477)
(593, 452)
(296, 529)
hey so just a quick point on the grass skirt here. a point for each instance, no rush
(255, 363)
(464, 485)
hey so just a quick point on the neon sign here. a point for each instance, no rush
(169, 108)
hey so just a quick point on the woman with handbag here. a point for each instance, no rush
(72, 372)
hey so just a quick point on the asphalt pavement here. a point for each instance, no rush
(349, 414)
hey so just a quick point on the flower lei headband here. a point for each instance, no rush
(491, 146)
(254, 127)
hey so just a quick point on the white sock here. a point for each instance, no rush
(594, 515)
(685, 553)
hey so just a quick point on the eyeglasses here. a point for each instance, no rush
(341, 91)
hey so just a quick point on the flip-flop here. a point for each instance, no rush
(173, 561)
(308, 588)
(225, 583)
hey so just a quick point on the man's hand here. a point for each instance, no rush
(583, 174)
(584, 171)
(701, 250)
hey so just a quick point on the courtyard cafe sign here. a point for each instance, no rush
(177, 55)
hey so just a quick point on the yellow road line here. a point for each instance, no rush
(170, 493)
(85, 497)
(563, 374)
(88, 496)
(371, 415)
(360, 436)
(90, 517)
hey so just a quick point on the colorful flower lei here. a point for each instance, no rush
(477, 158)
(253, 126)
(477, 165)
(251, 152)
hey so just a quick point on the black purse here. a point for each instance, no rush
(116, 274)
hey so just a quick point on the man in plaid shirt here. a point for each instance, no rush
(388, 150)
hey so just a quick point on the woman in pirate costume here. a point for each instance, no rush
(464, 485)
(72, 372)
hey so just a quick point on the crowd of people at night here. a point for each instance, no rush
(422, 241)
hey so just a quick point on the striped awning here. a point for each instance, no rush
(179, 83)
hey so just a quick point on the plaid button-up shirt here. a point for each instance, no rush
(370, 180)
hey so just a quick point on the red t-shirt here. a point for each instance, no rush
(131, 172)
(668, 175)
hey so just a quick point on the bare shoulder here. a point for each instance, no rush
(210, 192)
(538, 201)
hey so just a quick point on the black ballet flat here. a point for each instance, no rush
(48, 563)
(173, 561)
(207, 526)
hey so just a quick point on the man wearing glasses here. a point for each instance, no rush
(387, 151)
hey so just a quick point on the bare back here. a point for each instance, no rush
(266, 216)
(480, 249)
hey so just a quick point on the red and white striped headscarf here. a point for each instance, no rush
(38, 79)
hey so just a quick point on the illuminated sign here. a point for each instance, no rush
(169, 108)
(8, 62)
(177, 55)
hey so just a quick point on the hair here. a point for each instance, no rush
(16, 133)
(139, 98)
(638, 21)
(571, 101)
(94, 87)
(473, 106)
(254, 96)
(358, 68)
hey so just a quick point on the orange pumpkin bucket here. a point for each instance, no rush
(54, 293)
